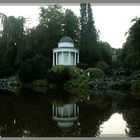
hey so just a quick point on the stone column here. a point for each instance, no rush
(56, 111)
(69, 111)
(75, 110)
(69, 58)
(62, 112)
(56, 58)
(62, 58)
(53, 59)
(53, 111)
(75, 59)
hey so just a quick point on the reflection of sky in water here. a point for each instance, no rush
(114, 125)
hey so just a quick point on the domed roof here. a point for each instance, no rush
(66, 39)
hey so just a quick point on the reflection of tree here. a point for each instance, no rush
(30, 113)
(60, 97)
(7, 111)
(132, 117)
(92, 116)
(131, 113)
(34, 115)
(27, 115)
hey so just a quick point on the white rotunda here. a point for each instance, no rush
(65, 54)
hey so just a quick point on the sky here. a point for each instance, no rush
(112, 21)
(116, 122)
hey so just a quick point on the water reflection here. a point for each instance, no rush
(131, 114)
(65, 115)
(117, 122)
(59, 113)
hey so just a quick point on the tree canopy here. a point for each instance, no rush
(131, 48)
(89, 50)
(20, 48)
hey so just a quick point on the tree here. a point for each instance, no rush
(105, 50)
(89, 50)
(13, 29)
(11, 44)
(52, 18)
(54, 24)
(71, 26)
(34, 68)
(131, 48)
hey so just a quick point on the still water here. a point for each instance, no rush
(58, 113)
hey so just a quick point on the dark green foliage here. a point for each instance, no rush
(135, 85)
(89, 50)
(105, 50)
(50, 29)
(22, 48)
(132, 115)
(71, 26)
(34, 68)
(74, 72)
(39, 83)
(131, 49)
(103, 66)
(11, 44)
(77, 82)
(2, 53)
(95, 72)
(136, 75)
(124, 84)
(13, 36)
(83, 65)
(58, 75)
(116, 64)
(54, 24)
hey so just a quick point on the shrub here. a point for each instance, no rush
(136, 75)
(95, 72)
(39, 83)
(123, 84)
(74, 72)
(59, 74)
(77, 82)
(13, 81)
(135, 85)
(83, 65)
(34, 68)
(103, 66)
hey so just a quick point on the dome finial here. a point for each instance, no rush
(66, 39)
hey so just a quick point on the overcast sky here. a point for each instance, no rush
(112, 21)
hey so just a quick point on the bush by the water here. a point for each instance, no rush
(124, 84)
(95, 72)
(39, 83)
(77, 82)
(34, 68)
(74, 72)
(136, 75)
(135, 85)
(59, 74)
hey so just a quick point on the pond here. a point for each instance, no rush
(58, 113)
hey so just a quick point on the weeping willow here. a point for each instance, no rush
(12, 34)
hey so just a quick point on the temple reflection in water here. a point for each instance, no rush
(65, 115)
